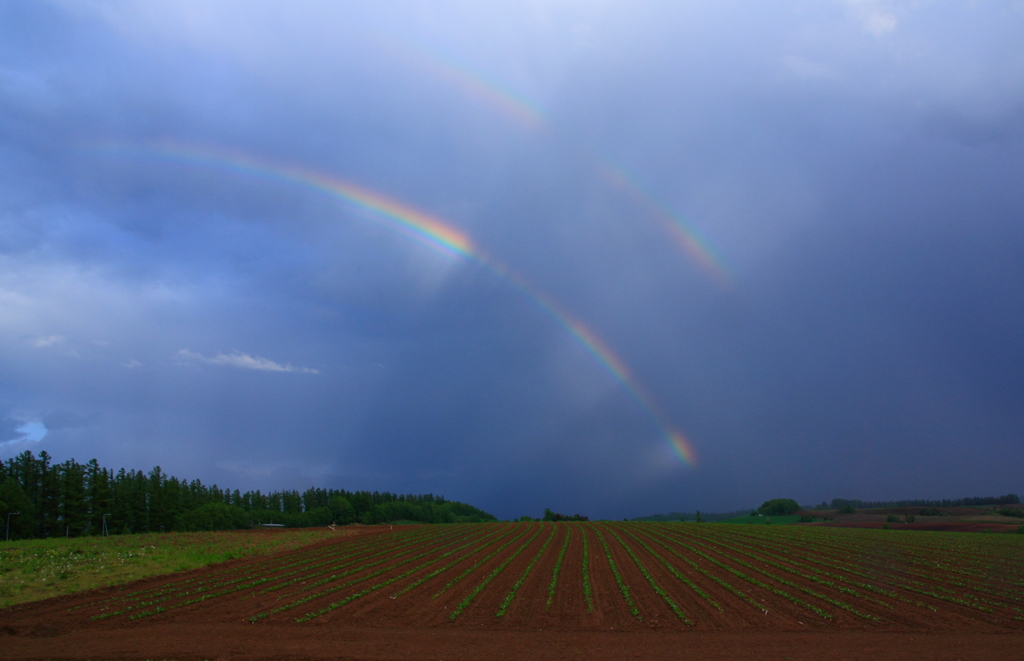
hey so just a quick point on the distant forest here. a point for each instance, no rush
(70, 499)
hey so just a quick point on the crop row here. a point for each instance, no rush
(526, 572)
(751, 579)
(235, 586)
(372, 588)
(557, 569)
(390, 566)
(933, 583)
(653, 583)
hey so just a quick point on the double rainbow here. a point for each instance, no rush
(528, 114)
(433, 231)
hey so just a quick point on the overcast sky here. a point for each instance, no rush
(504, 252)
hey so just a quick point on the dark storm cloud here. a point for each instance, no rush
(851, 166)
(9, 430)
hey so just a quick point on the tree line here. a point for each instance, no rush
(555, 516)
(73, 499)
(982, 501)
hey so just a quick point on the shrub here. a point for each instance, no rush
(892, 518)
(779, 507)
(886, 526)
(845, 506)
(910, 518)
(342, 510)
(556, 516)
(1020, 530)
(806, 518)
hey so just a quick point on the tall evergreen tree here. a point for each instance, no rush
(73, 512)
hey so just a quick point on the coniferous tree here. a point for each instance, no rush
(48, 509)
(99, 495)
(73, 512)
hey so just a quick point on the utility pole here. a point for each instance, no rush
(9, 515)
(106, 533)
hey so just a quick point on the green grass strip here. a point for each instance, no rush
(515, 588)
(558, 567)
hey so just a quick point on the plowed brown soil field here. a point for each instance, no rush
(486, 591)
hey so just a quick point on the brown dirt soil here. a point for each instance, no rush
(946, 526)
(916, 509)
(208, 611)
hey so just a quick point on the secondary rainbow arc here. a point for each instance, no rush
(530, 115)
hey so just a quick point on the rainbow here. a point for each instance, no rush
(434, 232)
(528, 114)
(687, 238)
(678, 443)
(474, 84)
